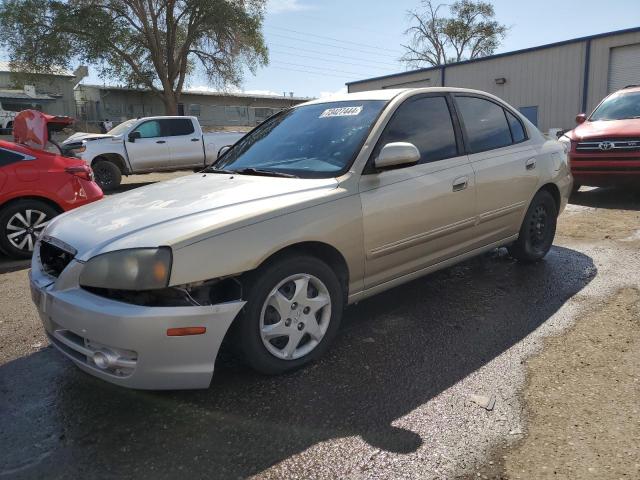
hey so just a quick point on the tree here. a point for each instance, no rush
(470, 32)
(154, 44)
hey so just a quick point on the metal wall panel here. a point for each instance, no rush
(624, 67)
(600, 61)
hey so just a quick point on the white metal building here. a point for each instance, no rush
(550, 84)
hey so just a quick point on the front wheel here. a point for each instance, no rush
(293, 312)
(538, 229)
(107, 174)
(21, 223)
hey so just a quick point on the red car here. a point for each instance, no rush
(36, 184)
(605, 147)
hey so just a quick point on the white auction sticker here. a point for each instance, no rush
(341, 112)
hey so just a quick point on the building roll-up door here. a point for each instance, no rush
(624, 67)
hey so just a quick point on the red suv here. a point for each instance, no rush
(605, 147)
(36, 184)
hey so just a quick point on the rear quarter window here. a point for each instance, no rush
(8, 157)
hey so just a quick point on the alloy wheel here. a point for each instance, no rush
(295, 316)
(24, 228)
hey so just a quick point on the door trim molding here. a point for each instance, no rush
(500, 212)
(420, 238)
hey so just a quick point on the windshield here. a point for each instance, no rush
(123, 127)
(620, 106)
(312, 141)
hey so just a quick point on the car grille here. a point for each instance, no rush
(53, 258)
(617, 145)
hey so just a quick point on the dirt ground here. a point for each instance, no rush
(582, 392)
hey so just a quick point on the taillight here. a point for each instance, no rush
(82, 171)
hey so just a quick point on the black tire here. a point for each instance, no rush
(107, 174)
(260, 286)
(11, 218)
(538, 229)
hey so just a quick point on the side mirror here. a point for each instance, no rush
(224, 150)
(396, 154)
(581, 118)
(133, 136)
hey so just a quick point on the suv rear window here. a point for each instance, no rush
(174, 127)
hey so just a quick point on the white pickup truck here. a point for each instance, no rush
(6, 119)
(144, 145)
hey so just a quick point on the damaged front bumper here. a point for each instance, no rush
(128, 344)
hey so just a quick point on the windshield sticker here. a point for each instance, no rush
(341, 112)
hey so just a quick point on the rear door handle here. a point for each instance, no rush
(161, 141)
(531, 164)
(195, 139)
(460, 183)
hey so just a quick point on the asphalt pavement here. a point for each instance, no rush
(392, 399)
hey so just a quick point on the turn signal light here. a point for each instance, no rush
(184, 331)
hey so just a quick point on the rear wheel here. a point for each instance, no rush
(21, 223)
(293, 312)
(538, 229)
(107, 174)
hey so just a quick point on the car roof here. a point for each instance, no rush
(391, 93)
(16, 147)
(629, 88)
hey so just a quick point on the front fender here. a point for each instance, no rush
(337, 223)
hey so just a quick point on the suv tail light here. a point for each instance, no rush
(82, 171)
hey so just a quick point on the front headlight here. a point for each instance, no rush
(134, 269)
(566, 143)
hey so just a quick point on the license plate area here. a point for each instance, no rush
(39, 297)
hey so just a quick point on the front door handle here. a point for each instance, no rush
(195, 139)
(161, 141)
(531, 164)
(460, 183)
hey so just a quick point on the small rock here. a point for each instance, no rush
(369, 340)
(485, 402)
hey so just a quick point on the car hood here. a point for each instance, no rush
(606, 129)
(183, 211)
(78, 137)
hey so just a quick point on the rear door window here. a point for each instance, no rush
(175, 127)
(485, 123)
(426, 123)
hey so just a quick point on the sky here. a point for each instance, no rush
(316, 46)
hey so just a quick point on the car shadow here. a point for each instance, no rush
(125, 187)
(610, 197)
(395, 352)
(8, 264)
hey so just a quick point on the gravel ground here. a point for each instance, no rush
(392, 399)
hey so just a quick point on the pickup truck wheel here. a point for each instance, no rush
(538, 229)
(107, 174)
(293, 312)
(21, 223)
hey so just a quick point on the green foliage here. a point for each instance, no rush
(470, 32)
(146, 43)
